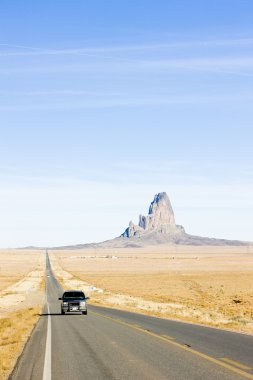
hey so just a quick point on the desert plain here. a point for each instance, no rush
(205, 285)
(22, 279)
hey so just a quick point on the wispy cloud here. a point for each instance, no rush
(128, 102)
(242, 65)
(107, 59)
(22, 50)
(34, 51)
(42, 93)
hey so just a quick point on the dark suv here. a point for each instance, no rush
(73, 301)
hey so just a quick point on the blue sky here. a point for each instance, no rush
(104, 104)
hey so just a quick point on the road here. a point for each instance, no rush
(113, 344)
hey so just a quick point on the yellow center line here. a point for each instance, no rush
(181, 346)
(134, 325)
(237, 364)
(168, 337)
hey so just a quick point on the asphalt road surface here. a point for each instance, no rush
(113, 344)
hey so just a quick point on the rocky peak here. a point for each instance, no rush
(160, 218)
(160, 211)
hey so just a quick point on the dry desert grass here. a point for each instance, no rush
(22, 296)
(208, 285)
(14, 331)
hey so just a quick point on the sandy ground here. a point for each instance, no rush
(207, 285)
(16, 264)
(22, 278)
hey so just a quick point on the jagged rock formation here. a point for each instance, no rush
(159, 219)
(158, 227)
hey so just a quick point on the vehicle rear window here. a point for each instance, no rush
(74, 295)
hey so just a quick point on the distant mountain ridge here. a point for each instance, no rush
(158, 227)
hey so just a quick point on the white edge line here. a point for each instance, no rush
(47, 361)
